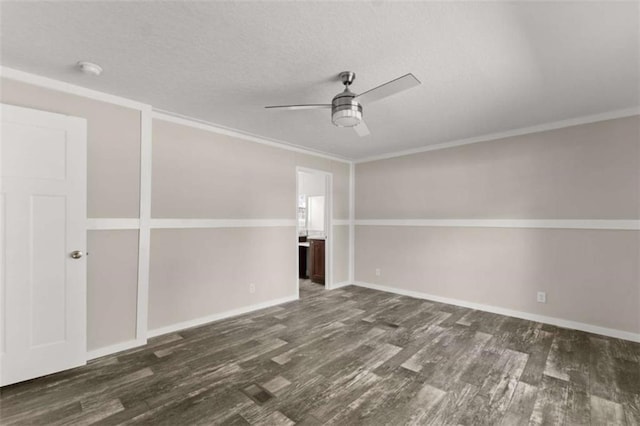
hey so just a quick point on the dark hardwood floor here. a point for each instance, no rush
(348, 356)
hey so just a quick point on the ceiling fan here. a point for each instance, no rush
(346, 106)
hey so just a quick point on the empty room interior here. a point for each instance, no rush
(346, 213)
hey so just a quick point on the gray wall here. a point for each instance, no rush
(196, 174)
(590, 171)
(583, 172)
(197, 273)
(112, 275)
(113, 151)
(201, 174)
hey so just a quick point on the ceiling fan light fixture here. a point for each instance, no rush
(347, 117)
(345, 111)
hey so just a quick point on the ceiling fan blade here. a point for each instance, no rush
(362, 129)
(294, 107)
(389, 88)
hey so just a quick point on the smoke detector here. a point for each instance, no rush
(90, 68)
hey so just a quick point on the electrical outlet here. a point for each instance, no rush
(542, 297)
(252, 288)
(377, 272)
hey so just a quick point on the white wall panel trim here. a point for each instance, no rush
(633, 225)
(216, 128)
(100, 224)
(589, 328)
(623, 113)
(104, 224)
(144, 235)
(352, 215)
(220, 223)
(61, 86)
(112, 349)
(219, 316)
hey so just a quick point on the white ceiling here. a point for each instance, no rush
(485, 67)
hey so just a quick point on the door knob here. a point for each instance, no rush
(77, 254)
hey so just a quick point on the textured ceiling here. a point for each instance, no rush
(485, 67)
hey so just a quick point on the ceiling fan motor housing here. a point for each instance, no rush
(345, 111)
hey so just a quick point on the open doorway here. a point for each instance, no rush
(313, 207)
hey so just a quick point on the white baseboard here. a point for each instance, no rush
(340, 284)
(112, 349)
(619, 334)
(216, 317)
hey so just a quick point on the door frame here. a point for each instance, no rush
(328, 224)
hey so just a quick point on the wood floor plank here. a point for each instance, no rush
(521, 405)
(604, 412)
(347, 357)
(419, 408)
(460, 405)
(578, 411)
(631, 407)
(569, 357)
(538, 348)
(450, 369)
(501, 382)
(374, 405)
(45, 416)
(602, 372)
(299, 398)
(345, 390)
(551, 402)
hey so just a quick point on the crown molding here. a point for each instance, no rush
(49, 83)
(611, 115)
(61, 86)
(217, 128)
(73, 89)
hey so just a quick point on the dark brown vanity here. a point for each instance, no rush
(317, 267)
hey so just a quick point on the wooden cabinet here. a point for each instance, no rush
(302, 262)
(302, 257)
(317, 261)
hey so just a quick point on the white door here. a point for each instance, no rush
(43, 218)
